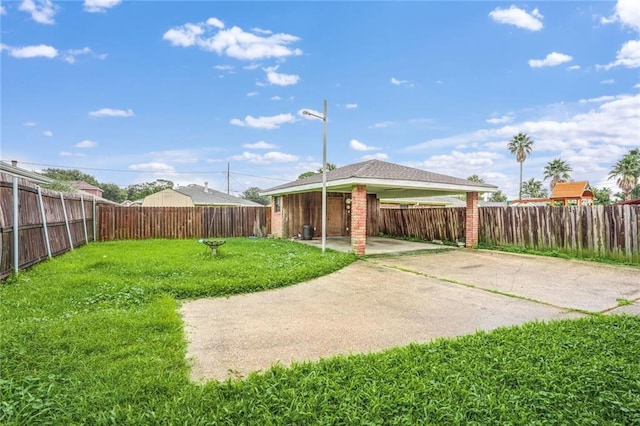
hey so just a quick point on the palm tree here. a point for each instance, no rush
(521, 146)
(534, 189)
(558, 171)
(627, 172)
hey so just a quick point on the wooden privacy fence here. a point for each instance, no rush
(134, 223)
(601, 231)
(36, 224)
(445, 224)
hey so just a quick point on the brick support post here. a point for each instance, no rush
(472, 220)
(359, 219)
(276, 218)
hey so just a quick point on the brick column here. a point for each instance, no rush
(472, 220)
(276, 218)
(359, 219)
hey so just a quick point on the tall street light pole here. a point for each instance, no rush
(323, 117)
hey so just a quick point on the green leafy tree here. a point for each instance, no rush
(498, 197)
(534, 188)
(626, 171)
(113, 192)
(141, 190)
(60, 186)
(330, 166)
(558, 171)
(476, 178)
(520, 145)
(602, 196)
(253, 194)
(69, 175)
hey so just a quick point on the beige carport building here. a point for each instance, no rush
(353, 194)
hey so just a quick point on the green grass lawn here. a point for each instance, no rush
(94, 337)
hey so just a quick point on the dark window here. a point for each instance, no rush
(277, 203)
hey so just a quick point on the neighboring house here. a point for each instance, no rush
(31, 176)
(635, 201)
(572, 193)
(353, 197)
(194, 195)
(563, 194)
(86, 187)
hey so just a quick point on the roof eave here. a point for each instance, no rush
(344, 185)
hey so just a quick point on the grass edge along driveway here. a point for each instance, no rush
(94, 337)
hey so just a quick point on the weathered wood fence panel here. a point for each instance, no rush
(601, 231)
(446, 224)
(593, 231)
(134, 223)
(33, 229)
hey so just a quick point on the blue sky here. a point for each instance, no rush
(135, 91)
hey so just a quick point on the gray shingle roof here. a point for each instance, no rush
(376, 169)
(213, 197)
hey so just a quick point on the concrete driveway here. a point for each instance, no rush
(378, 303)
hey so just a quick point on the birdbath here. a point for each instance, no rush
(213, 245)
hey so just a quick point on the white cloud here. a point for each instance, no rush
(233, 42)
(154, 167)
(377, 156)
(93, 6)
(627, 12)
(518, 17)
(108, 112)
(397, 82)
(48, 133)
(551, 60)
(636, 86)
(359, 146)
(39, 51)
(42, 11)
(599, 99)
(3, 11)
(608, 81)
(382, 125)
(30, 124)
(276, 98)
(251, 94)
(70, 55)
(251, 66)
(71, 154)
(279, 79)
(86, 144)
(223, 67)
(351, 106)
(272, 122)
(573, 68)
(268, 158)
(261, 31)
(215, 22)
(259, 145)
(501, 120)
(628, 56)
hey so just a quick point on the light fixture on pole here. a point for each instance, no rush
(323, 117)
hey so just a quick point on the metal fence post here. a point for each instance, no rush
(66, 221)
(84, 221)
(16, 226)
(44, 223)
